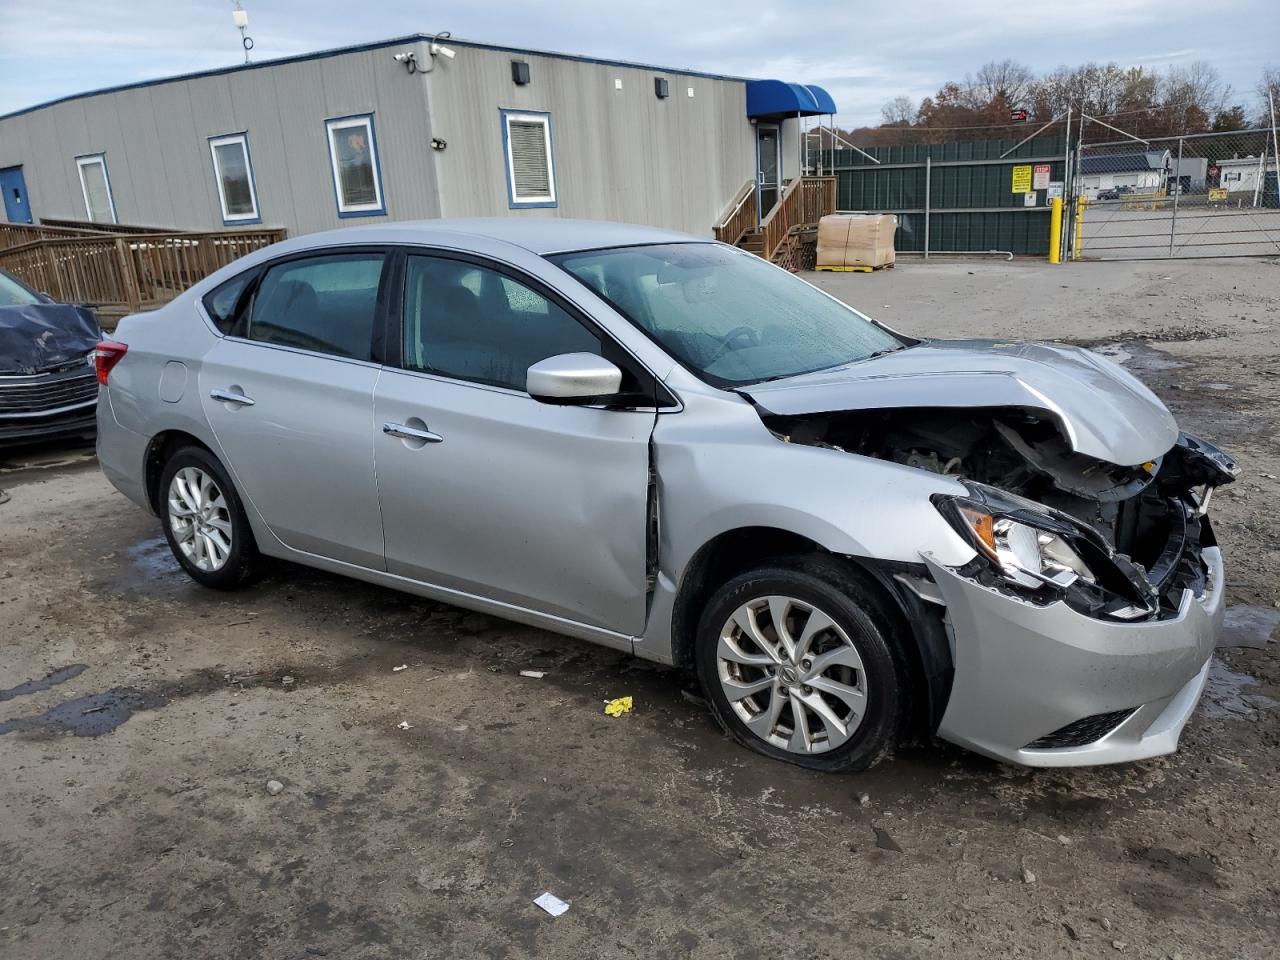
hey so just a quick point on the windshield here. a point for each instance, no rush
(729, 316)
(14, 294)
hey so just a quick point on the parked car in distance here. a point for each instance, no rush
(671, 447)
(48, 389)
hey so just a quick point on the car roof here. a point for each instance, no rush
(540, 235)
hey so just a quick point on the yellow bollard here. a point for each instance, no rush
(1055, 231)
(1078, 248)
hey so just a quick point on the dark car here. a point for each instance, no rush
(48, 386)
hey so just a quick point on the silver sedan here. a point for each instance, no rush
(673, 448)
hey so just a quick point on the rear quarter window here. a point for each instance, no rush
(224, 302)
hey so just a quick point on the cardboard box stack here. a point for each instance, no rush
(856, 240)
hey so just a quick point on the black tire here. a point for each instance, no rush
(829, 585)
(243, 562)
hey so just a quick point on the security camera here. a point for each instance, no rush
(404, 57)
(442, 50)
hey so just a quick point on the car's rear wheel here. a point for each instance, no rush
(797, 663)
(205, 522)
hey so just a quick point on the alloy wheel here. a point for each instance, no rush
(791, 674)
(200, 519)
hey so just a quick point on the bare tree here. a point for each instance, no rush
(1192, 94)
(898, 112)
(1006, 80)
(1096, 89)
(1270, 83)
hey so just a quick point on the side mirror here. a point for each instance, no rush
(581, 378)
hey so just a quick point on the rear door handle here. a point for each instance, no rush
(411, 433)
(229, 396)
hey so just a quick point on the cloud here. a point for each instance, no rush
(863, 53)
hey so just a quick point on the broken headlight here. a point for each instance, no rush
(1029, 545)
(1027, 555)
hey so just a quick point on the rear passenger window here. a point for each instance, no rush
(472, 323)
(222, 302)
(326, 304)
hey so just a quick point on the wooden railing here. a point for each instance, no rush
(804, 202)
(16, 234)
(130, 272)
(739, 216)
(103, 227)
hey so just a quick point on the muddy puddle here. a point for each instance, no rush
(1138, 357)
(89, 716)
(1226, 696)
(61, 675)
(1246, 626)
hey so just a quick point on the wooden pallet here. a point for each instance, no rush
(883, 266)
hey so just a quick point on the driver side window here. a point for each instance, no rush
(471, 323)
(326, 304)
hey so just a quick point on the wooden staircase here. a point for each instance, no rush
(786, 234)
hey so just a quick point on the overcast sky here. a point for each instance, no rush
(863, 53)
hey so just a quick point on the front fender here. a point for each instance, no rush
(720, 469)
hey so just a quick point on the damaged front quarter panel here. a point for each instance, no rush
(1140, 528)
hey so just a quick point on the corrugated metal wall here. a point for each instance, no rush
(971, 202)
(155, 140)
(619, 154)
(623, 154)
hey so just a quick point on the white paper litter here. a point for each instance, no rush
(552, 904)
(403, 666)
(533, 674)
(404, 725)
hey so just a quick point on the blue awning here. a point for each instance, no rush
(773, 99)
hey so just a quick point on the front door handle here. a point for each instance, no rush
(230, 396)
(405, 432)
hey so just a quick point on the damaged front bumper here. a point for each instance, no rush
(1044, 685)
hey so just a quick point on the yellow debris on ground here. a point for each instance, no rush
(616, 708)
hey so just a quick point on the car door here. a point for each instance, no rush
(290, 401)
(485, 490)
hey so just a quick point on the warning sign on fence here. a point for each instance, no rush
(1040, 178)
(1022, 179)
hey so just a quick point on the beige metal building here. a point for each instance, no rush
(414, 127)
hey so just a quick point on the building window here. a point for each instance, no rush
(531, 175)
(99, 205)
(357, 180)
(233, 173)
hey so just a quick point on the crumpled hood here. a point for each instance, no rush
(1104, 411)
(45, 336)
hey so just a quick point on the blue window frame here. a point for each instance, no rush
(233, 177)
(353, 156)
(529, 159)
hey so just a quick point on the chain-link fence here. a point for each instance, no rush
(1205, 195)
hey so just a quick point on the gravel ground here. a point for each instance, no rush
(138, 821)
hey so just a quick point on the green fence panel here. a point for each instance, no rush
(971, 201)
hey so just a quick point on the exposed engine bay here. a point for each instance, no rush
(1129, 537)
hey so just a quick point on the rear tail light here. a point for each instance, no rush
(105, 356)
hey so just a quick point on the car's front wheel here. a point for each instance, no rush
(204, 521)
(796, 661)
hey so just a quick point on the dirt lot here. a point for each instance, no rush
(137, 824)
